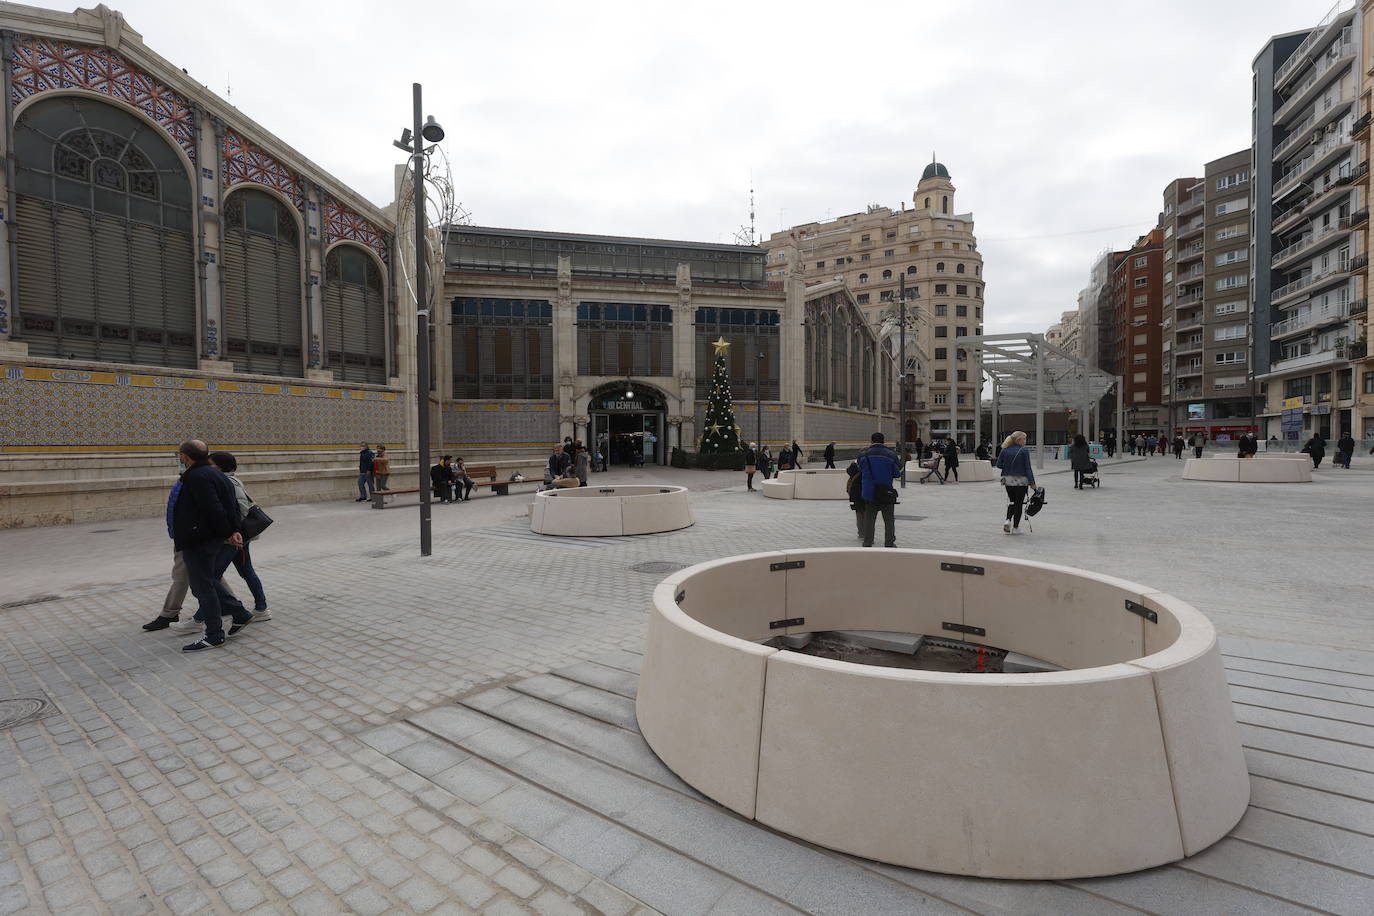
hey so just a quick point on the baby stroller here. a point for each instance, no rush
(1090, 477)
(932, 466)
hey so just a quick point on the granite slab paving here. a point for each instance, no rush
(455, 733)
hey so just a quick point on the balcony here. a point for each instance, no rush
(1185, 301)
(1361, 124)
(1359, 264)
(1325, 152)
(1184, 230)
(1191, 204)
(1189, 253)
(1193, 391)
(1359, 217)
(1328, 235)
(1288, 290)
(1315, 39)
(1298, 135)
(1184, 324)
(1357, 350)
(1359, 307)
(1190, 347)
(1314, 317)
(1306, 361)
(1187, 371)
(1305, 90)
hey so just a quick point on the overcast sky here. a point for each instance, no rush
(1060, 122)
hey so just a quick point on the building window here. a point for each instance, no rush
(1226, 359)
(1233, 180)
(1230, 232)
(887, 275)
(615, 338)
(961, 331)
(1298, 387)
(1229, 308)
(961, 311)
(942, 331)
(751, 332)
(1232, 206)
(820, 265)
(1369, 383)
(1230, 332)
(1141, 262)
(355, 316)
(1138, 377)
(911, 271)
(959, 268)
(1141, 282)
(961, 289)
(1138, 359)
(1231, 282)
(942, 289)
(1344, 380)
(962, 375)
(866, 237)
(941, 375)
(502, 348)
(889, 253)
(939, 266)
(862, 257)
(107, 260)
(862, 298)
(1232, 257)
(941, 311)
(940, 353)
(885, 296)
(863, 278)
(978, 312)
(262, 291)
(944, 203)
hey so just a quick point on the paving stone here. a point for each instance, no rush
(471, 890)
(420, 895)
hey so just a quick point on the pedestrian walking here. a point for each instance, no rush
(243, 560)
(878, 468)
(170, 615)
(365, 485)
(751, 465)
(1017, 477)
(205, 528)
(1081, 460)
(1315, 449)
(1178, 446)
(830, 455)
(1150, 443)
(951, 453)
(1196, 441)
(854, 486)
(1247, 446)
(766, 462)
(1345, 450)
(381, 469)
(919, 449)
(581, 465)
(796, 455)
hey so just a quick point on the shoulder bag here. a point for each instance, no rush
(255, 522)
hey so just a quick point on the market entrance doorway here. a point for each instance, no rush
(628, 422)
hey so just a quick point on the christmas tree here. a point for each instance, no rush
(719, 432)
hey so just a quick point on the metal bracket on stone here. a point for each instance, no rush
(1142, 610)
(963, 627)
(962, 568)
(680, 596)
(786, 622)
(790, 564)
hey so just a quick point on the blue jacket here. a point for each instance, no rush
(1015, 459)
(878, 464)
(171, 504)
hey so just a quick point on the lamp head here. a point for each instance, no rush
(432, 132)
(404, 142)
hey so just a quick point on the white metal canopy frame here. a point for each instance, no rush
(1031, 375)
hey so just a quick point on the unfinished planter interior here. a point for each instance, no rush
(1128, 759)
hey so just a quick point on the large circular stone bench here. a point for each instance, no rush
(610, 511)
(973, 470)
(1231, 469)
(820, 483)
(1128, 760)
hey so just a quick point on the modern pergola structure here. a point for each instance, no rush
(1030, 375)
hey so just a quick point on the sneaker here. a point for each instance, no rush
(188, 624)
(237, 628)
(1016, 531)
(159, 623)
(1006, 527)
(202, 643)
(264, 614)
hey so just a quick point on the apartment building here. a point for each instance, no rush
(1135, 338)
(1310, 214)
(1362, 362)
(1065, 333)
(1206, 308)
(929, 250)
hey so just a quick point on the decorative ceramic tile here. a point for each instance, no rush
(244, 161)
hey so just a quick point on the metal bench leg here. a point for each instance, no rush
(378, 501)
(501, 490)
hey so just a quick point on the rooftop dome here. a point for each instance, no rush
(935, 170)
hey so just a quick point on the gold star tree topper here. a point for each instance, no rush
(722, 345)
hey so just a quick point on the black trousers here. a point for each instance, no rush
(1016, 501)
(1078, 478)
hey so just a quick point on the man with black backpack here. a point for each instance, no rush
(878, 465)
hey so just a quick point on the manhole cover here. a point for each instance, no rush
(23, 709)
(658, 567)
(911, 518)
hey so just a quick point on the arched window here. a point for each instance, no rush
(262, 285)
(944, 203)
(839, 363)
(887, 275)
(911, 271)
(863, 278)
(106, 250)
(355, 317)
(940, 267)
(959, 268)
(809, 349)
(927, 203)
(823, 361)
(856, 368)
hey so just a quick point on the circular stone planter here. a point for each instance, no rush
(821, 483)
(1230, 469)
(610, 511)
(1128, 760)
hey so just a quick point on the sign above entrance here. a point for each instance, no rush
(623, 398)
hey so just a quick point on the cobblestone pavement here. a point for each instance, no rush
(235, 780)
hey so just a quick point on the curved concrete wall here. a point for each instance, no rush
(610, 511)
(1278, 469)
(817, 484)
(1129, 760)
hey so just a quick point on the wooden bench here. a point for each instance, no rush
(487, 476)
(378, 501)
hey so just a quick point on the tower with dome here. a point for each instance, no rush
(927, 247)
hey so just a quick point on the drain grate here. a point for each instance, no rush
(911, 518)
(658, 567)
(18, 710)
(27, 601)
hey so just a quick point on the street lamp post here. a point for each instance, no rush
(901, 348)
(423, 131)
(758, 401)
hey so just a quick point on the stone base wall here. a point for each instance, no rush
(777, 422)
(850, 430)
(485, 430)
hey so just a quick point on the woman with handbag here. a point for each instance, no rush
(750, 465)
(243, 560)
(1017, 477)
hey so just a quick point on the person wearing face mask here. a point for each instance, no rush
(170, 615)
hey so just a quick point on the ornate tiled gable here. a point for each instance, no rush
(245, 162)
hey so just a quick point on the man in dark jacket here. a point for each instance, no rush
(205, 528)
(559, 463)
(1345, 448)
(830, 455)
(878, 465)
(365, 456)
